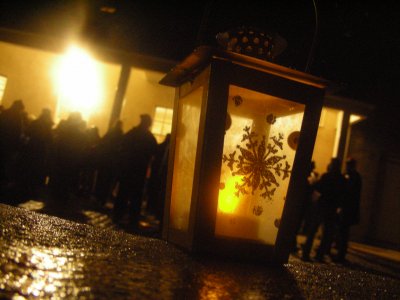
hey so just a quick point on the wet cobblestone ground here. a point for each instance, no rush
(45, 257)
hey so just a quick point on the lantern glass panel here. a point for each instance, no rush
(187, 131)
(260, 144)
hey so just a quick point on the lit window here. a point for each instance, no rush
(162, 123)
(3, 82)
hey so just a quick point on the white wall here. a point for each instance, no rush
(28, 73)
(325, 143)
(143, 94)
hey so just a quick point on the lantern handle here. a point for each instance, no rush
(314, 41)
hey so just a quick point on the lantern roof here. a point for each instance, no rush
(200, 58)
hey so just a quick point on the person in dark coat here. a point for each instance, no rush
(11, 132)
(349, 213)
(87, 176)
(158, 179)
(67, 153)
(34, 156)
(331, 188)
(106, 162)
(137, 149)
(308, 206)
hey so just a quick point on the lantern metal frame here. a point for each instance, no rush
(215, 70)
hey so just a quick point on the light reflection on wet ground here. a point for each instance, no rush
(41, 272)
(50, 258)
(32, 205)
(89, 216)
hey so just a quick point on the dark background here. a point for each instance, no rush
(357, 45)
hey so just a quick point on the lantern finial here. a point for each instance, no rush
(252, 42)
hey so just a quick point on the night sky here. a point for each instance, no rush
(357, 45)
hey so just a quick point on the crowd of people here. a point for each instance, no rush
(332, 204)
(70, 160)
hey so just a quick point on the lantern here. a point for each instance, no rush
(241, 145)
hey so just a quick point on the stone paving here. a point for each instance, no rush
(46, 257)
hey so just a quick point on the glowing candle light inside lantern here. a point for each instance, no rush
(227, 200)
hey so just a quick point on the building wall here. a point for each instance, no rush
(368, 167)
(143, 94)
(325, 143)
(28, 73)
(375, 149)
(31, 77)
(387, 206)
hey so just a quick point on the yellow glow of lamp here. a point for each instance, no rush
(79, 83)
(227, 199)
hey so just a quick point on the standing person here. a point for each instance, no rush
(312, 198)
(87, 176)
(331, 187)
(11, 131)
(349, 213)
(307, 205)
(67, 154)
(137, 149)
(34, 156)
(106, 161)
(157, 181)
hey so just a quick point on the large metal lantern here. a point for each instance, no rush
(242, 139)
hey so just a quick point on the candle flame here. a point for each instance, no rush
(227, 199)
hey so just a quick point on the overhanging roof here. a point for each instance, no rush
(56, 45)
(348, 104)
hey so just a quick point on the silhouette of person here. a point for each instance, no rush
(137, 149)
(157, 181)
(331, 187)
(349, 213)
(35, 153)
(106, 161)
(66, 157)
(306, 209)
(87, 167)
(311, 198)
(11, 131)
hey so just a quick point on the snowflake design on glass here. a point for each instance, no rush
(259, 164)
